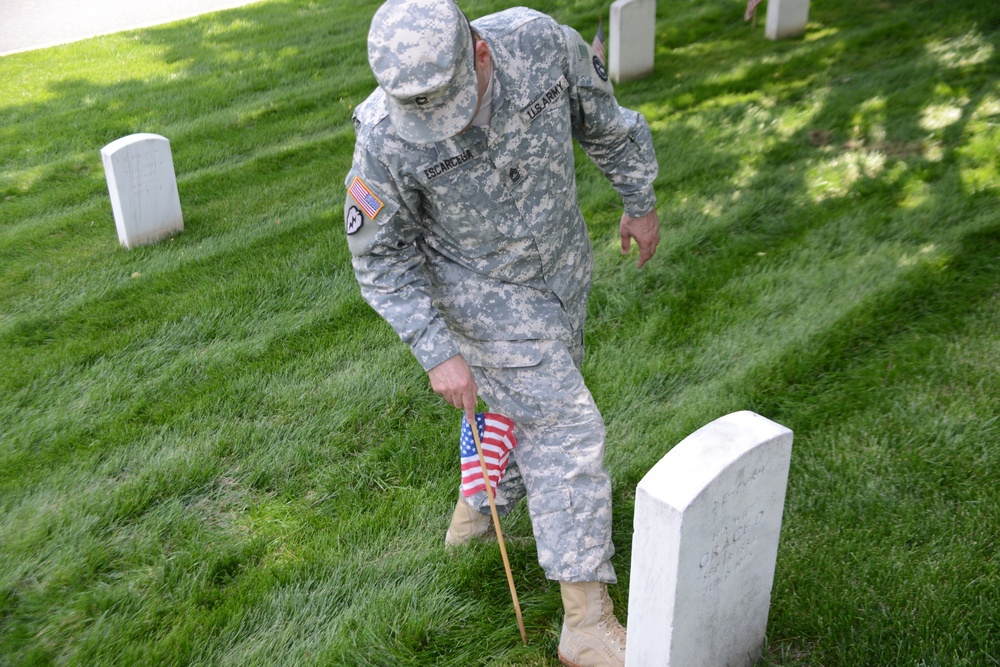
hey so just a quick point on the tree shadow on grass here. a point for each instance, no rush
(859, 117)
(779, 208)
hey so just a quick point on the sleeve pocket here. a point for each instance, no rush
(550, 502)
(501, 353)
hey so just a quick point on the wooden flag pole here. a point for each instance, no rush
(496, 524)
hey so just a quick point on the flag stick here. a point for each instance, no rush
(496, 524)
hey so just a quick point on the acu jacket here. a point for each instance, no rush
(480, 234)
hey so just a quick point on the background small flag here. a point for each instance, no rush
(496, 434)
(751, 9)
(598, 43)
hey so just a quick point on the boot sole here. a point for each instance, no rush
(566, 661)
(484, 538)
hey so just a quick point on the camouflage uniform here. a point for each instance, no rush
(475, 244)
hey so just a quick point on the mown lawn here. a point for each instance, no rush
(213, 452)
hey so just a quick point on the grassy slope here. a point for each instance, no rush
(212, 452)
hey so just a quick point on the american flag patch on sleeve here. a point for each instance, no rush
(366, 200)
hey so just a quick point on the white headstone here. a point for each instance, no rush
(786, 18)
(633, 39)
(143, 188)
(707, 521)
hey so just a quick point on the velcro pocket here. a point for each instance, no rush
(501, 353)
(557, 500)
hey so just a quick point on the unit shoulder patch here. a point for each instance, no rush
(353, 220)
(599, 67)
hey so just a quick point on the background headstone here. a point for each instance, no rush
(143, 188)
(786, 18)
(707, 522)
(633, 39)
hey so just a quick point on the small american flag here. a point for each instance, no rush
(365, 198)
(598, 44)
(751, 10)
(496, 434)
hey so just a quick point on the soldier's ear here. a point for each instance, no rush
(482, 52)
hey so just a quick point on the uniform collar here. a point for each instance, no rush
(511, 80)
(511, 88)
(482, 118)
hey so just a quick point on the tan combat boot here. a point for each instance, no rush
(591, 635)
(467, 524)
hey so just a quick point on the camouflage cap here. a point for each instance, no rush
(421, 54)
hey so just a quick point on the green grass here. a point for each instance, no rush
(213, 452)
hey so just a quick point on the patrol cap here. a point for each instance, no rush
(421, 54)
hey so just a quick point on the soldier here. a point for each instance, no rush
(466, 236)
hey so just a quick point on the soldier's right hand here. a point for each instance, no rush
(452, 380)
(646, 232)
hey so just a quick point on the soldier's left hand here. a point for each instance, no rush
(645, 231)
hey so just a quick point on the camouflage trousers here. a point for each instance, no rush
(559, 460)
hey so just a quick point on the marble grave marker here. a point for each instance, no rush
(786, 18)
(143, 188)
(707, 522)
(633, 39)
